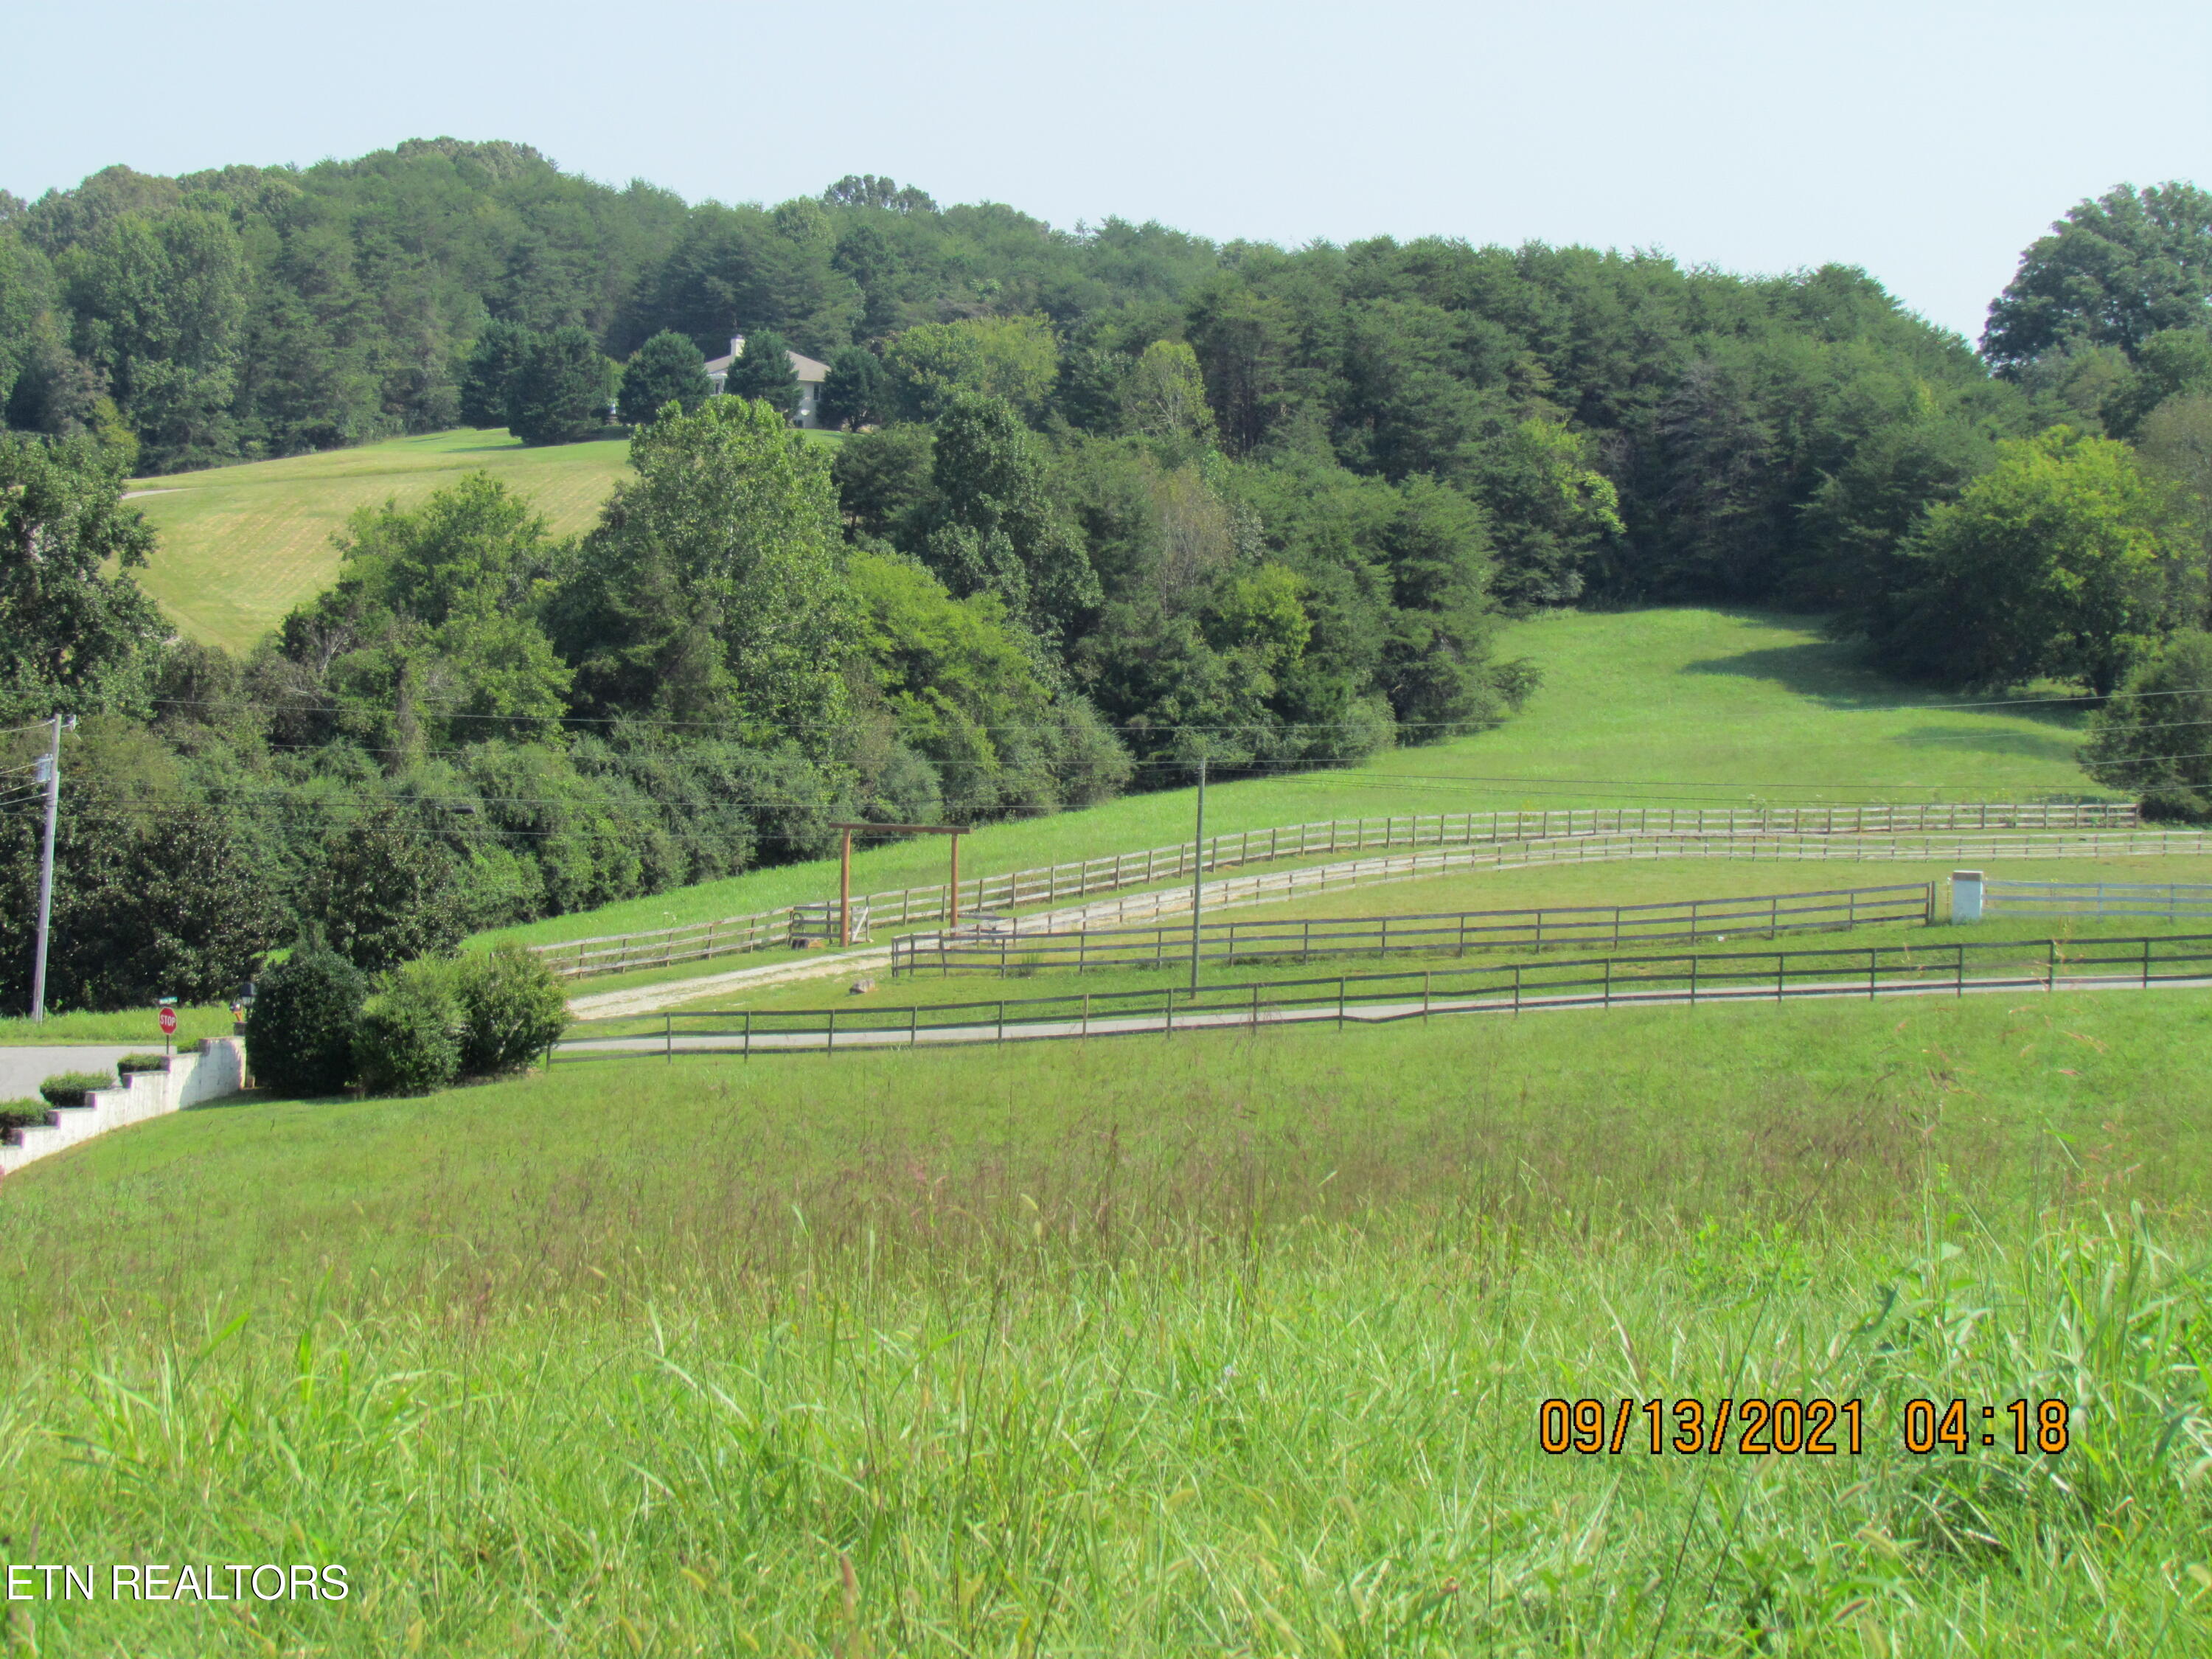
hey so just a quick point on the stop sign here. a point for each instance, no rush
(168, 1022)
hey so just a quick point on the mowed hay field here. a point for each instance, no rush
(1685, 706)
(242, 545)
(1192, 1345)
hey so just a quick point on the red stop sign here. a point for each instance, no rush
(168, 1022)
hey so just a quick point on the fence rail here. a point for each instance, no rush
(1776, 975)
(1051, 884)
(1276, 885)
(1453, 933)
(2173, 900)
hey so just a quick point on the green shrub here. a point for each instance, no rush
(25, 1115)
(409, 1039)
(71, 1088)
(512, 1007)
(299, 1031)
(131, 1063)
(2175, 803)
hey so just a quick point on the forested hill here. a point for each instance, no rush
(1109, 504)
(258, 312)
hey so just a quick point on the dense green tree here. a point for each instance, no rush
(2175, 442)
(1013, 359)
(72, 638)
(2175, 362)
(666, 369)
(2113, 271)
(1550, 511)
(2065, 559)
(561, 390)
(764, 372)
(964, 690)
(992, 526)
(157, 889)
(383, 892)
(2150, 737)
(159, 304)
(882, 477)
(488, 374)
(710, 589)
(431, 635)
(857, 391)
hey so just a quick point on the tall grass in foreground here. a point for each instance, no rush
(1322, 1441)
(1205, 1345)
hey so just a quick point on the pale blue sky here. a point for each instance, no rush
(1927, 142)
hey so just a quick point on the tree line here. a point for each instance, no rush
(1108, 502)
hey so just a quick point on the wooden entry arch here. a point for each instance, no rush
(845, 865)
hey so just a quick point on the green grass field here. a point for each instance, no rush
(1156, 1347)
(1688, 706)
(242, 545)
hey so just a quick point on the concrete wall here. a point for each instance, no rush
(189, 1079)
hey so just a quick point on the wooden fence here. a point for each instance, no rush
(1443, 933)
(1053, 885)
(2174, 901)
(1920, 969)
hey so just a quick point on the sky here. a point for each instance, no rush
(1929, 143)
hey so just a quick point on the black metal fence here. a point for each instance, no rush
(1005, 946)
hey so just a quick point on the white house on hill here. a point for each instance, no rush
(810, 376)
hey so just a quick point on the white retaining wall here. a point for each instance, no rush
(189, 1079)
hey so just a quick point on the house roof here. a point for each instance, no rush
(805, 369)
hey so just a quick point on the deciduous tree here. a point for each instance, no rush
(2065, 559)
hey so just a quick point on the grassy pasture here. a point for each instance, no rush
(1208, 1344)
(242, 545)
(1726, 707)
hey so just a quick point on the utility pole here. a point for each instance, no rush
(49, 774)
(1198, 874)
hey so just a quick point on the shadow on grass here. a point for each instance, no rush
(1840, 676)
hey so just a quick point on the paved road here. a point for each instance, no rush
(23, 1067)
(766, 1041)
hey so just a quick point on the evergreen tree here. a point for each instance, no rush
(488, 377)
(561, 390)
(764, 372)
(858, 389)
(667, 368)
